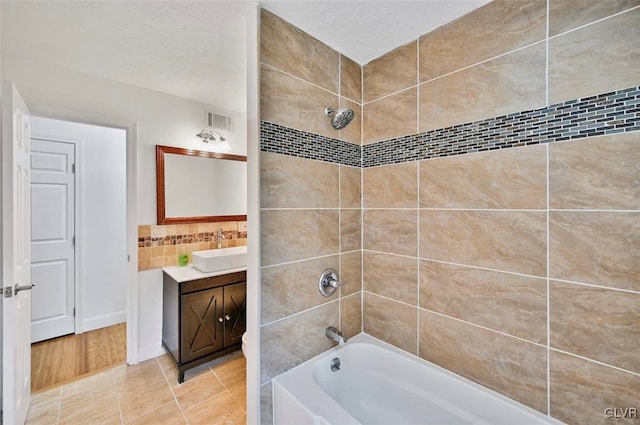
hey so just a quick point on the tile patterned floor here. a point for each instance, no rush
(148, 393)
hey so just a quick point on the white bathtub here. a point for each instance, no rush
(379, 384)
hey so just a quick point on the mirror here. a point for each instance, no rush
(197, 186)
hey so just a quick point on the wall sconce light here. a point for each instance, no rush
(208, 134)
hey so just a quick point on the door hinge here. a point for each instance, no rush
(73, 241)
(74, 312)
(73, 168)
(8, 292)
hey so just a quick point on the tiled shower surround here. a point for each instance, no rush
(496, 213)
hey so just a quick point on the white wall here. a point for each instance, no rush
(101, 246)
(1, 348)
(161, 120)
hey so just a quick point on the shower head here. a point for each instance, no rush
(339, 118)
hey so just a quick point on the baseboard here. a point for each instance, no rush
(97, 322)
(150, 351)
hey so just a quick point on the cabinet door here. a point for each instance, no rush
(235, 305)
(202, 323)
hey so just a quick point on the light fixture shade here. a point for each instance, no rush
(208, 134)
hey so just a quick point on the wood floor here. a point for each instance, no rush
(68, 358)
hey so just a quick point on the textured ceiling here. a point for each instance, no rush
(197, 49)
(366, 29)
(192, 49)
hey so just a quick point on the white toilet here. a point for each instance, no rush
(244, 344)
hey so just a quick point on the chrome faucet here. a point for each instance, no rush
(336, 335)
(220, 237)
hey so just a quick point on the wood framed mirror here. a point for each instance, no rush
(194, 186)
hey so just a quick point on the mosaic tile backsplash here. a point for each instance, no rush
(160, 245)
(606, 113)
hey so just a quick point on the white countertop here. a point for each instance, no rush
(187, 273)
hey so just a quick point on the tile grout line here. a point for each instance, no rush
(546, 40)
(418, 259)
(362, 229)
(419, 83)
(469, 266)
(546, 74)
(60, 405)
(224, 386)
(548, 286)
(166, 381)
(115, 384)
(597, 21)
(302, 260)
(339, 247)
(547, 213)
(298, 313)
(568, 353)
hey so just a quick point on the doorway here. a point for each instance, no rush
(79, 249)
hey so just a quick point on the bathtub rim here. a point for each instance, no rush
(315, 396)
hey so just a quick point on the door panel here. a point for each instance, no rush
(16, 267)
(202, 328)
(52, 231)
(235, 305)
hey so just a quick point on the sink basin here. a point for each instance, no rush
(213, 260)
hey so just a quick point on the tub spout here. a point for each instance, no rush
(333, 333)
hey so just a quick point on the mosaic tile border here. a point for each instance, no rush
(276, 138)
(187, 238)
(607, 113)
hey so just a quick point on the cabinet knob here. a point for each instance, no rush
(227, 317)
(220, 319)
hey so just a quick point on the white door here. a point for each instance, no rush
(52, 239)
(16, 267)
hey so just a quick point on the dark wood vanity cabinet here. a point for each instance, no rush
(203, 318)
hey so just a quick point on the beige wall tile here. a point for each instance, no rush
(391, 322)
(494, 29)
(598, 173)
(292, 288)
(350, 230)
(581, 391)
(393, 116)
(351, 314)
(289, 235)
(510, 83)
(391, 276)
(294, 340)
(391, 72)
(511, 179)
(282, 46)
(290, 182)
(392, 231)
(597, 323)
(144, 231)
(566, 15)
(602, 248)
(508, 365)
(350, 182)
(391, 186)
(287, 101)
(353, 132)
(502, 240)
(266, 404)
(596, 59)
(351, 272)
(513, 304)
(350, 79)
(144, 265)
